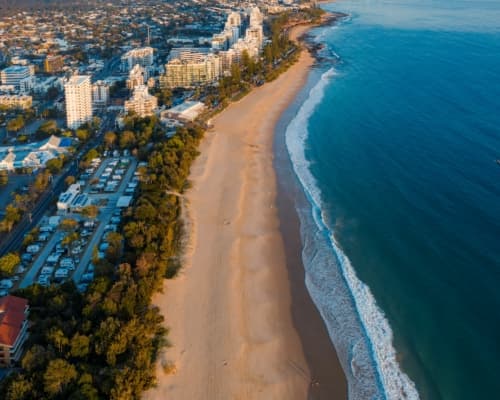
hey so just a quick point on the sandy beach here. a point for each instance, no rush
(233, 329)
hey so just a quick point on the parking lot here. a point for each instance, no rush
(67, 242)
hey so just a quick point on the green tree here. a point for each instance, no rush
(19, 389)
(16, 124)
(80, 345)
(68, 224)
(48, 128)
(82, 134)
(70, 180)
(54, 165)
(4, 177)
(12, 216)
(110, 139)
(127, 139)
(58, 375)
(57, 338)
(8, 263)
(90, 211)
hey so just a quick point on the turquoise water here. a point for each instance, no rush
(395, 146)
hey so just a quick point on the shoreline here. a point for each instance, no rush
(243, 323)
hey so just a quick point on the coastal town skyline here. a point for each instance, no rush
(282, 199)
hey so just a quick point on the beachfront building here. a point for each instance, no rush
(136, 77)
(33, 155)
(200, 69)
(16, 101)
(141, 103)
(14, 312)
(100, 95)
(78, 96)
(187, 111)
(19, 76)
(142, 56)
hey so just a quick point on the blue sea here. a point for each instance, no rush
(395, 143)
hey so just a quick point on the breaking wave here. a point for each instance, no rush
(356, 325)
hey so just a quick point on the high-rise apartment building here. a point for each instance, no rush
(78, 97)
(142, 56)
(100, 95)
(136, 77)
(141, 103)
(190, 73)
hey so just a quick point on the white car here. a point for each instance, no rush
(76, 250)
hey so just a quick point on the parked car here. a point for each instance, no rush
(104, 246)
(76, 250)
(27, 257)
(6, 284)
(33, 248)
(44, 280)
(86, 278)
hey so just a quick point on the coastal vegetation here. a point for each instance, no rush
(103, 343)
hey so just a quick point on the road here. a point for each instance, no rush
(30, 276)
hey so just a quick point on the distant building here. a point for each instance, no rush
(100, 95)
(136, 77)
(14, 312)
(256, 17)
(78, 96)
(188, 53)
(16, 101)
(53, 64)
(142, 56)
(141, 103)
(19, 76)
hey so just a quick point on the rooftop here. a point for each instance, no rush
(11, 318)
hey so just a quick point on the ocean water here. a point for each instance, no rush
(395, 145)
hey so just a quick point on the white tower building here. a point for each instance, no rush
(78, 96)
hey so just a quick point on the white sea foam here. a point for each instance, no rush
(360, 332)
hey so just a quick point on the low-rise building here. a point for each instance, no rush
(68, 197)
(32, 155)
(16, 101)
(17, 75)
(14, 312)
(53, 64)
(187, 111)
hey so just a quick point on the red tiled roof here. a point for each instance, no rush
(11, 318)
